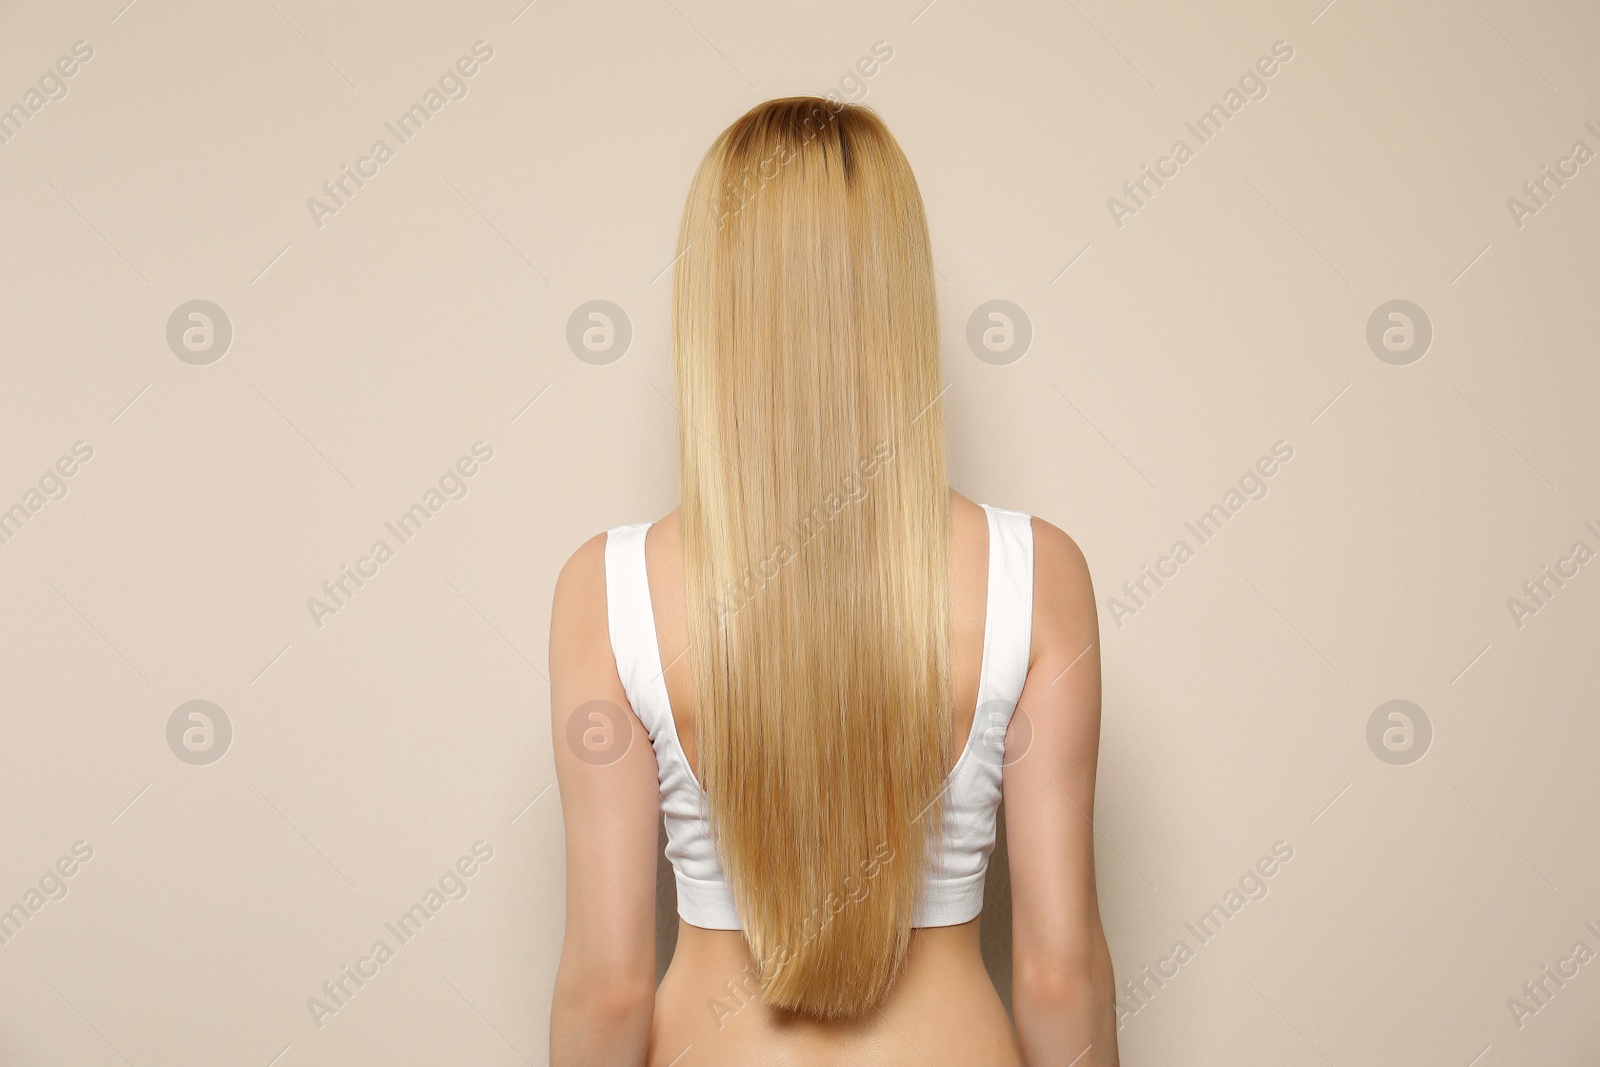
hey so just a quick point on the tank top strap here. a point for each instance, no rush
(630, 618)
(1008, 626)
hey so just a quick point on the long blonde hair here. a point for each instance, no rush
(815, 511)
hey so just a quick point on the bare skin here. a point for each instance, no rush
(943, 1008)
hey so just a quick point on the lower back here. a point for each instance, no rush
(943, 1009)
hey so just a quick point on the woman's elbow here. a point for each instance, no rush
(1071, 984)
(602, 1020)
(605, 1003)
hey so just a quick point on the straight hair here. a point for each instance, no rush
(816, 516)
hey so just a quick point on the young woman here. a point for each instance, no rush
(824, 669)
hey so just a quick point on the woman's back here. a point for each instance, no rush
(802, 657)
(943, 1007)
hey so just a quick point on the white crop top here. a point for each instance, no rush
(952, 890)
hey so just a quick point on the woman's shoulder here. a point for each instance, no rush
(583, 576)
(1054, 550)
(1064, 615)
(1063, 593)
(579, 600)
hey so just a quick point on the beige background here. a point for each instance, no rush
(1168, 354)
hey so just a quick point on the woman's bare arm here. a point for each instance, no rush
(605, 985)
(1063, 996)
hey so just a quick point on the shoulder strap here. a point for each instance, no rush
(1008, 628)
(631, 620)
